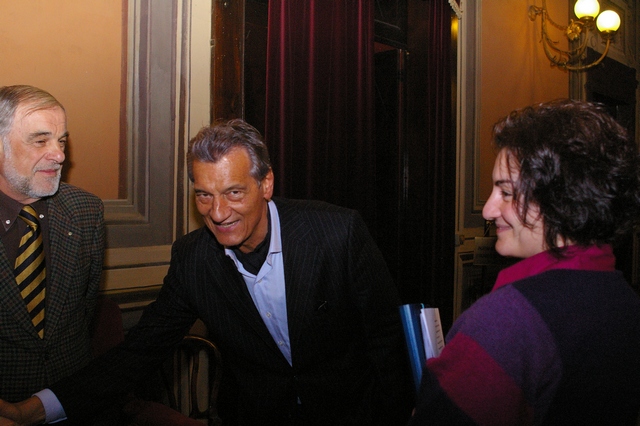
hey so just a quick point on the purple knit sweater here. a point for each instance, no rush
(555, 342)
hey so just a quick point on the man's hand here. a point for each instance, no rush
(25, 413)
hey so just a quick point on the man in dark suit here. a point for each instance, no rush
(295, 294)
(44, 315)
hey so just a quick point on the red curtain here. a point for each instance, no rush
(319, 108)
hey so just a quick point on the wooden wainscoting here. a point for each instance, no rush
(133, 277)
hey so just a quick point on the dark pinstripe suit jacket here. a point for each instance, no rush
(348, 364)
(76, 249)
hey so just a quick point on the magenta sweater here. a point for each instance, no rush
(555, 342)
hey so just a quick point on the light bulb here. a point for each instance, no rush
(588, 8)
(608, 21)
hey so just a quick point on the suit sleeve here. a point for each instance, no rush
(378, 300)
(499, 361)
(108, 378)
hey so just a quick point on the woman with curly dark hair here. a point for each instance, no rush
(557, 341)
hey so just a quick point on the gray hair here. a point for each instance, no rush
(11, 97)
(214, 142)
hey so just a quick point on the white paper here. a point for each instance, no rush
(432, 334)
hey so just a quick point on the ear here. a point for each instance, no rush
(267, 185)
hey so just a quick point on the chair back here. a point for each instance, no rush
(192, 379)
(191, 376)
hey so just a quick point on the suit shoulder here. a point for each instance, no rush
(73, 202)
(195, 241)
(319, 218)
(189, 238)
(312, 207)
(70, 193)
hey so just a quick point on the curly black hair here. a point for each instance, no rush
(578, 165)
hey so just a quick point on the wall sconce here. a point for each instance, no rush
(607, 24)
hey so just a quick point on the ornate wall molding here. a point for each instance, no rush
(455, 5)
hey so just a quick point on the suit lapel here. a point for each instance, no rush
(64, 244)
(223, 271)
(300, 267)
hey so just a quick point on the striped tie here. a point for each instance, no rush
(30, 269)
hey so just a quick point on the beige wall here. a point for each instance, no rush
(74, 50)
(77, 50)
(514, 69)
(502, 67)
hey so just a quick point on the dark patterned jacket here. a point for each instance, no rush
(76, 249)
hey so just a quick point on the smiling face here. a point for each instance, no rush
(514, 238)
(32, 153)
(233, 205)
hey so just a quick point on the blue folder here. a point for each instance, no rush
(410, 317)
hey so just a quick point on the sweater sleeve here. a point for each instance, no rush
(499, 366)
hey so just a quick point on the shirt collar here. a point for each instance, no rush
(10, 208)
(275, 245)
(589, 258)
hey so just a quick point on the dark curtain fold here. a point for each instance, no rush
(441, 176)
(319, 109)
(320, 121)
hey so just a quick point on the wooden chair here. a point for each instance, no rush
(191, 377)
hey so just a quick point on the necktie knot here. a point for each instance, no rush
(28, 214)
